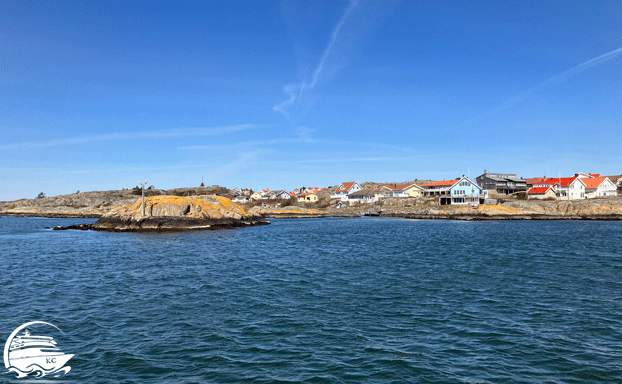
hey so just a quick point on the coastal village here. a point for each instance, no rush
(489, 196)
(485, 189)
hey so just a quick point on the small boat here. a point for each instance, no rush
(36, 354)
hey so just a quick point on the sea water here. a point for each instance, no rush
(356, 300)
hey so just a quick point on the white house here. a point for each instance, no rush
(364, 196)
(344, 189)
(240, 199)
(282, 194)
(566, 188)
(599, 187)
(616, 179)
(264, 193)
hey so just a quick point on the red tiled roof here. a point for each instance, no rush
(442, 183)
(346, 186)
(593, 182)
(538, 190)
(562, 181)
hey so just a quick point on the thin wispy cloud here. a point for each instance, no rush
(156, 134)
(333, 39)
(295, 91)
(580, 68)
(557, 79)
(359, 19)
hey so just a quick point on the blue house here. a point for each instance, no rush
(465, 191)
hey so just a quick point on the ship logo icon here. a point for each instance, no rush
(30, 355)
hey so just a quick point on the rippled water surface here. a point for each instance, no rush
(323, 301)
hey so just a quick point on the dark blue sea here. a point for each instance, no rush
(361, 300)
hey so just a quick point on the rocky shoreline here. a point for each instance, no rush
(476, 217)
(163, 224)
(226, 214)
(425, 209)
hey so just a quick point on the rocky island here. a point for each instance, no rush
(174, 213)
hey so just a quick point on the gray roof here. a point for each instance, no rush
(362, 193)
(512, 178)
(517, 179)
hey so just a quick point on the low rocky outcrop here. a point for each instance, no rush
(428, 208)
(175, 213)
(596, 209)
(85, 204)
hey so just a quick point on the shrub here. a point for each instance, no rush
(287, 202)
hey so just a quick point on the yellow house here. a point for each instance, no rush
(307, 198)
(413, 190)
(255, 196)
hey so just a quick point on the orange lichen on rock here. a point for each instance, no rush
(177, 213)
(228, 204)
(196, 206)
(498, 208)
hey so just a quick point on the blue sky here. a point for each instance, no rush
(279, 95)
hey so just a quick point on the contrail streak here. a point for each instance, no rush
(296, 91)
(580, 68)
(566, 75)
(333, 38)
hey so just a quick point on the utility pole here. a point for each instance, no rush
(143, 188)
